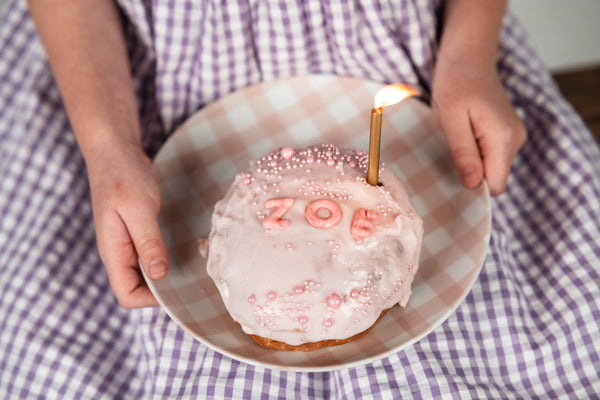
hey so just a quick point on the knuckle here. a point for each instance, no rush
(125, 303)
(462, 151)
(515, 138)
(464, 156)
(148, 243)
(512, 137)
(155, 191)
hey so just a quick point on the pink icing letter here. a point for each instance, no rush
(274, 221)
(334, 217)
(361, 223)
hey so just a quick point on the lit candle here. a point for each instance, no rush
(386, 96)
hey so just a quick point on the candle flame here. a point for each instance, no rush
(392, 94)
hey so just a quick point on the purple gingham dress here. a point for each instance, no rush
(530, 327)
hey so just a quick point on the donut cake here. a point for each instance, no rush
(306, 254)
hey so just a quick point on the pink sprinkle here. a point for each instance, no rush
(310, 159)
(354, 293)
(287, 153)
(334, 300)
(328, 322)
(247, 180)
(353, 164)
(251, 299)
(271, 295)
(299, 289)
(411, 267)
(330, 162)
(303, 319)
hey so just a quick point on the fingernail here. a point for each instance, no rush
(469, 177)
(157, 269)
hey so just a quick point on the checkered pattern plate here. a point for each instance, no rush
(197, 164)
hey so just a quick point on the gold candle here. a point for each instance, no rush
(374, 146)
(386, 96)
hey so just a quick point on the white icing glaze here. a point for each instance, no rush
(298, 283)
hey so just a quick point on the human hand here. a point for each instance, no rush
(482, 128)
(126, 201)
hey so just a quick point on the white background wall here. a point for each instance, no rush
(566, 33)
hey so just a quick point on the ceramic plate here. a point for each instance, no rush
(197, 164)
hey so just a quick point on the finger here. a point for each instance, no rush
(464, 148)
(121, 262)
(496, 163)
(499, 143)
(148, 242)
(130, 287)
(142, 225)
(140, 297)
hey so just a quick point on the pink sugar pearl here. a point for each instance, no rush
(287, 153)
(334, 300)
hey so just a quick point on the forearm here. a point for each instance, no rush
(86, 49)
(470, 31)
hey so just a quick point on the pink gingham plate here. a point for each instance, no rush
(197, 164)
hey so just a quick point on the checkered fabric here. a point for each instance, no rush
(529, 327)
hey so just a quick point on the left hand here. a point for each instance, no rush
(482, 128)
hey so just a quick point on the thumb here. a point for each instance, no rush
(149, 245)
(464, 150)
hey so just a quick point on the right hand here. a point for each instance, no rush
(126, 201)
(483, 129)
(86, 48)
